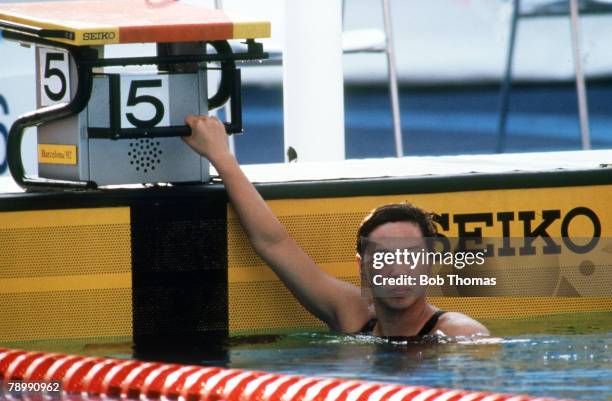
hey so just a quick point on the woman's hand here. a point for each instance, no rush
(208, 137)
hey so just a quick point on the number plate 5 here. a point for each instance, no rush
(144, 101)
(54, 76)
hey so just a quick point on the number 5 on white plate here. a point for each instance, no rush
(54, 76)
(144, 101)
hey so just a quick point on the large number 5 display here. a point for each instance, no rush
(54, 76)
(144, 101)
(134, 99)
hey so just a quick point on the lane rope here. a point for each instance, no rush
(134, 380)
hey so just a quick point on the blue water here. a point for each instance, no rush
(564, 366)
(439, 121)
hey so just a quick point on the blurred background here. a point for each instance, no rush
(450, 55)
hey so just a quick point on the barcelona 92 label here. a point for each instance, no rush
(57, 154)
(17, 388)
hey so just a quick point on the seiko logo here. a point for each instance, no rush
(470, 225)
(98, 35)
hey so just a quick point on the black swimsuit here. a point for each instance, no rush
(426, 329)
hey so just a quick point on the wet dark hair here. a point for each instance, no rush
(392, 213)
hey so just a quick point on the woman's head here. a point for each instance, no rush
(391, 228)
(395, 213)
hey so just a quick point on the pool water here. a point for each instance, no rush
(577, 366)
(564, 356)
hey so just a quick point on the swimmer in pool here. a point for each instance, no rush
(337, 303)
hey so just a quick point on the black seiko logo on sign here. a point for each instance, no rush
(99, 35)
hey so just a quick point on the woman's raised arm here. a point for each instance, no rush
(337, 303)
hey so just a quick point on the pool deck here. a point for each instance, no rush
(423, 166)
(415, 166)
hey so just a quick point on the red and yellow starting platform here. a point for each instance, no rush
(101, 22)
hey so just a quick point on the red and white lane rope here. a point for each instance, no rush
(129, 379)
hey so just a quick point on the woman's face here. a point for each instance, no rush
(399, 238)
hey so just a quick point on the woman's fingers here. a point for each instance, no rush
(190, 120)
(208, 136)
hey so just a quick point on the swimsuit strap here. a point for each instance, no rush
(430, 324)
(368, 328)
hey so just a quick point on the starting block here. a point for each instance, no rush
(102, 124)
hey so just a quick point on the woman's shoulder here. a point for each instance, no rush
(457, 324)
